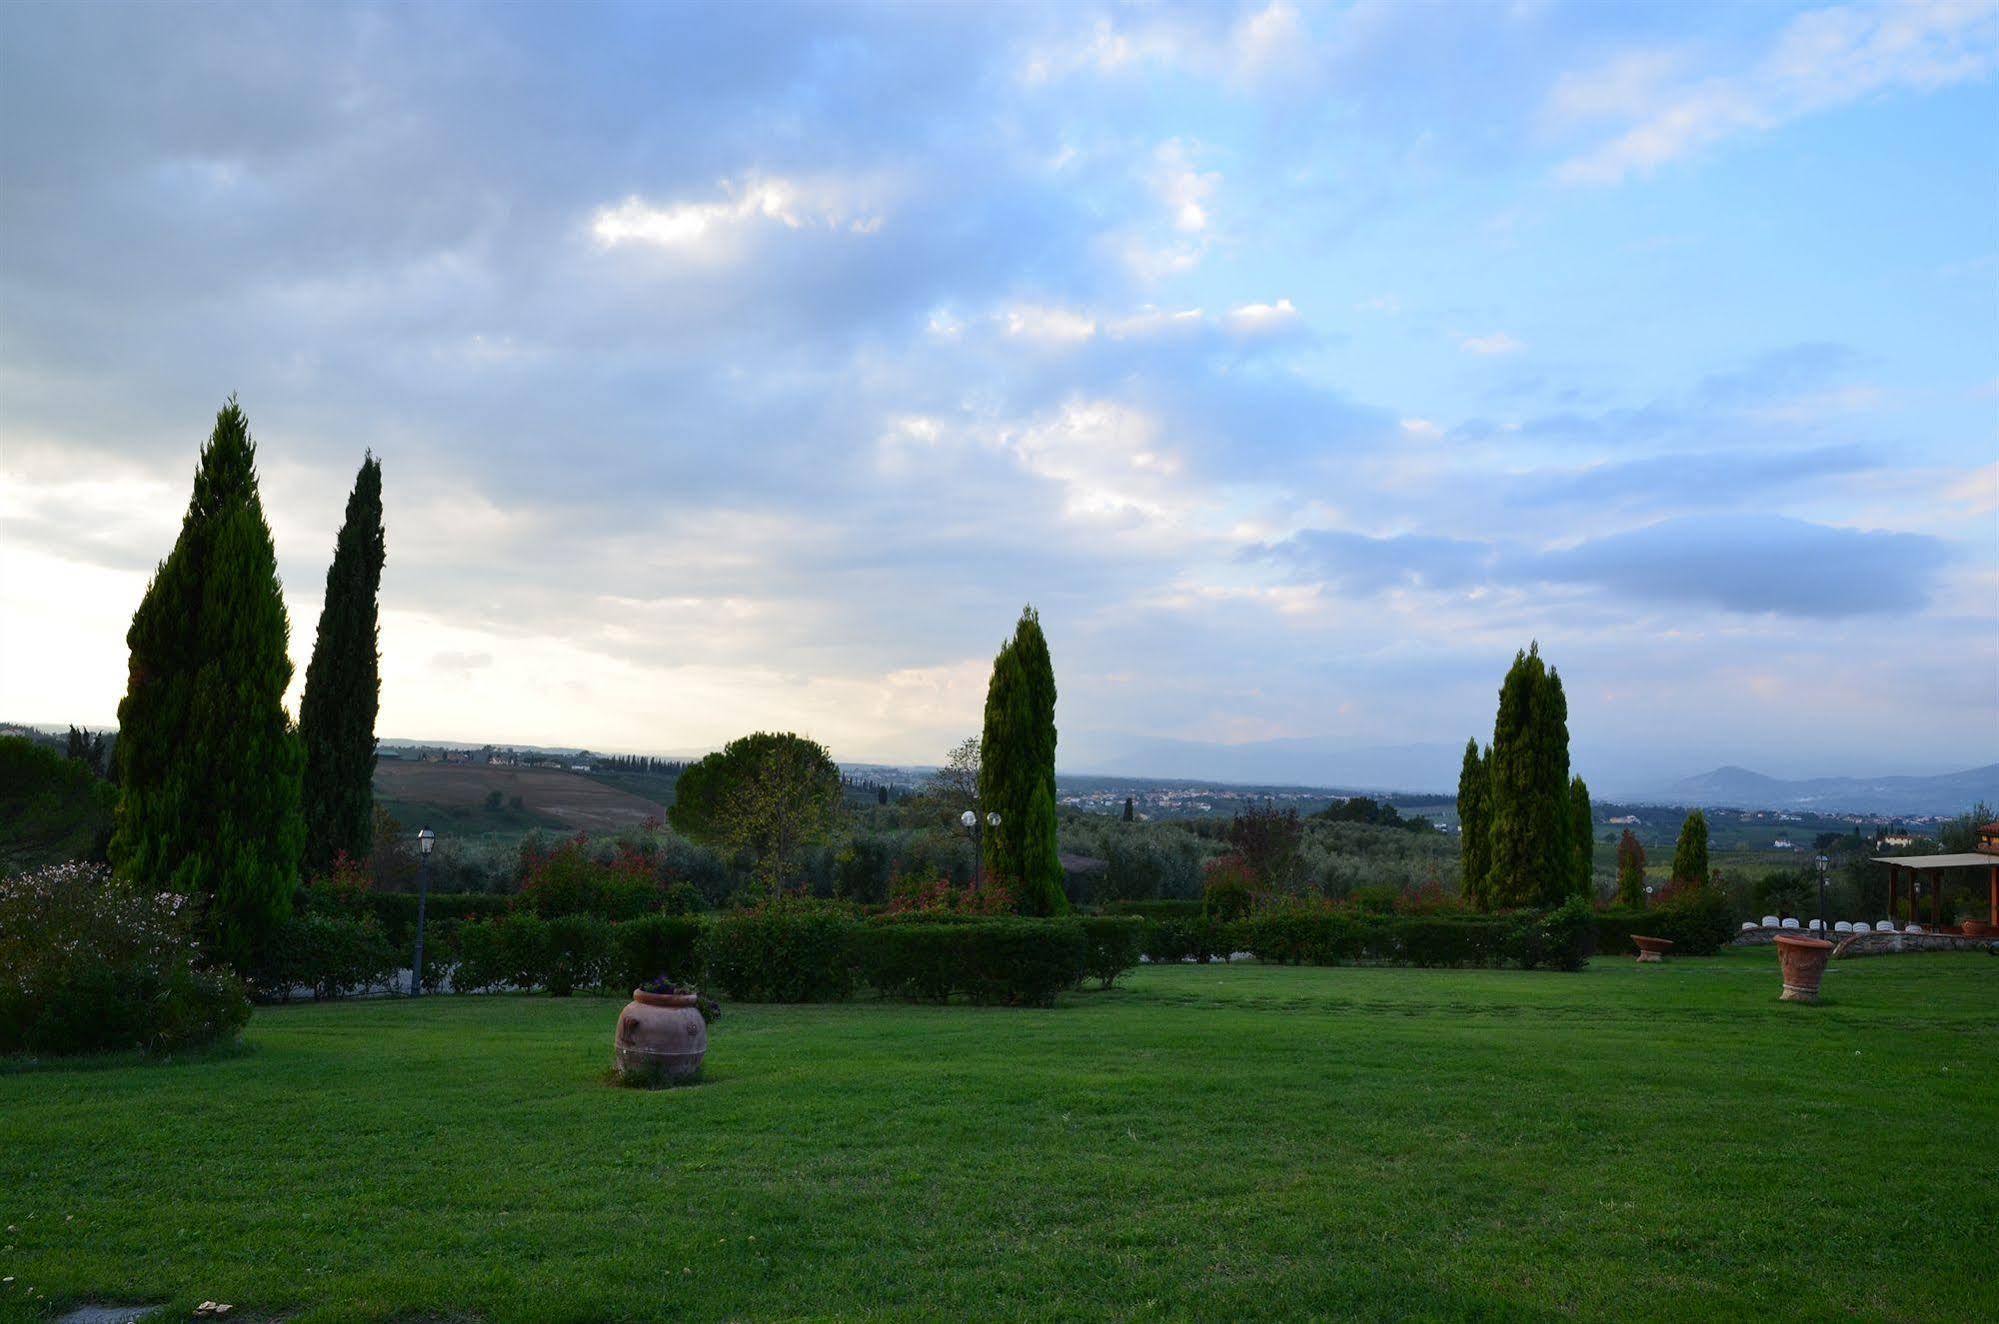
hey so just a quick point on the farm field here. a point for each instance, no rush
(1205, 1142)
(549, 798)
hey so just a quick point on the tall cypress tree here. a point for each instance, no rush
(1581, 843)
(1630, 871)
(1474, 823)
(206, 753)
(343, 686)
(1017, 761)
(1690, 851)
(1530, 859)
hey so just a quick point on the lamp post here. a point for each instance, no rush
(425, 839)
(1822, 863)
(1648, 896)
(973, 825)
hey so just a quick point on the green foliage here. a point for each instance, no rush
(343, 686)
(89, 963)
(1017, 764)
(1002, 962)
(1630, 871)
(332, 956)
(1111, 946)
(1229, 889)
(1173, 938)
(657, 947)
(1041, 880)
(566, 880)
(206, 755)
(1531, 861)
(768, 797)
(783, 952)
(1698, 921)
(581, 953)
(52, 809)
(1332, 935)
(1582, 839)
(1266, 841)
(1475, 824)
(1690, 852)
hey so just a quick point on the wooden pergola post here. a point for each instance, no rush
(1994, 904)
(1894, 877)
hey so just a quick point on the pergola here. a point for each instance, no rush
(1986, 857)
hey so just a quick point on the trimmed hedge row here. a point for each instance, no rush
(1301, 935)
(1698, 922)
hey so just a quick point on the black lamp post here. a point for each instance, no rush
(425, 839)
(976, 827)
(1824, 932)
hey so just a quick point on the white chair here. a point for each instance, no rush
(1790, 923)
(1771, 921)
(1816, 926)
(1748, 926)
(1842, 927)
(1913, 928)
(1884, 926)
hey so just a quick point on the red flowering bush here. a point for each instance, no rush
(1228, 888)
(566, 880)
(939, 896)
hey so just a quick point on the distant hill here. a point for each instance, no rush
(1740, 788)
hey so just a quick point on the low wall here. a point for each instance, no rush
(1881, 944)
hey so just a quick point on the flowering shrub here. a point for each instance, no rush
(565, 880)
(940, 897)
(1228, 888)
(89, 963)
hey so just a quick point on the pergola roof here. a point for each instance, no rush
(1969, 860)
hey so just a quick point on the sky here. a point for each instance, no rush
(749, 367)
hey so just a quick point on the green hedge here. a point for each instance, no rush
(330, 955)
(1698, 922)
(1004, 962)
(1559, 939)
(656, 946)
(396, 912)
(1196, 939)
(1111, 946)
(783, 953)
(1158, 909)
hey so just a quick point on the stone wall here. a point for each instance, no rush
(1881, 944)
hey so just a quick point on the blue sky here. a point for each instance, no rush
(746, 366)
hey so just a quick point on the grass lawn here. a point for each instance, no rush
(1213, 1143)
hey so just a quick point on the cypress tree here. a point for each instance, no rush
(1041, 891)
(1018, 759)
(1474, 823)
(343, 686)
(1581, 843)
(206, 754)
(1531, 854)
(1690, 851)
(1630, 871)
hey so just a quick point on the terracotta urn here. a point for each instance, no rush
(661, 1038)
(1652, 949)
(1977, 928)
(1803, 963)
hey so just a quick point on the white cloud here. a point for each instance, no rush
(1109, 458)
(690, 226)
(1047, 324)
(1822, 59)
(1496, 343)
(1184, 189)
(1421, 429)
(1252, 318)
(1268, 40)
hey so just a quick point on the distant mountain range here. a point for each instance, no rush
(1739, 788)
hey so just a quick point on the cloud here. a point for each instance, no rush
(1258, 318)
(1497, 342)
(1753, 564)
(691, 226)
(1823, 59)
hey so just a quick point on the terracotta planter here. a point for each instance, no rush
(1977, 928)
(1803, 963)
(661, 1039)
(1652, 949)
